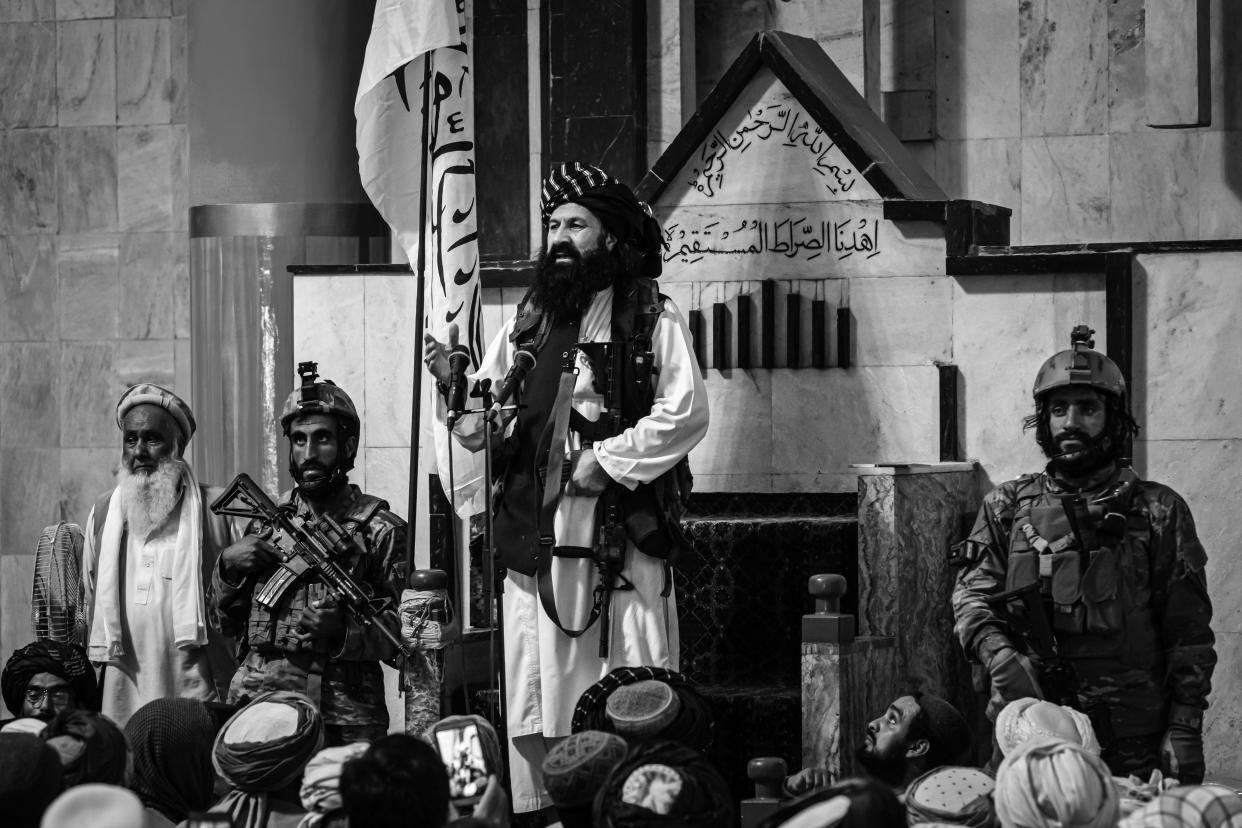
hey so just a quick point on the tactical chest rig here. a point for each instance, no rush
(1090, 559)
(623, 373)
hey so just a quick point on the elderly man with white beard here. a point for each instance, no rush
(150, 546)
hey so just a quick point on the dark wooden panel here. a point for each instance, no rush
(502, 125)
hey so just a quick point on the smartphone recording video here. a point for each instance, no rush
(462, 754)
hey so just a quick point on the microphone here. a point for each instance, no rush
(459, 361)
(523, 362)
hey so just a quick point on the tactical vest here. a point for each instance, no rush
(273, 629)
(652, 510)
(1099, 599)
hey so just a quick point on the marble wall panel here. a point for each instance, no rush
(1003, 330)
(183, 371)
(1222, 723)
(28, 181)
(848, 32)
(88, 416)
(1183, 299)
(902, 321)
(85, 474)
(83, 9)
(143, 8)
(822, 421)
(843, 688)
(90, 287)
(1077, 299)
(179, 140)
(1064, 67)
(986, 169)
(86, 73)
(1177, 63)
(977, 83)
(30, 500)
(33, 389)
(27, 75)
(749, 483)
(721, 31)
(1154, 181)
(143, 71)
(739, 439)
(28, 288)
(1226, 65)
(392, 357)
(1207, 473)
(907, 44)
(180, 264)
(178, 67)
(145, 360)
(86, 179)
(1127, 65)
(25, 11)
(145, 186)
(16, 576)
(329, 324)
(907, 522)
(670, 71)
(1220, 185)
(1065, 193)
(388, 476)
(149, 284)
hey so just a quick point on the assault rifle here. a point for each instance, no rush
(306, 548)
(1057, 677)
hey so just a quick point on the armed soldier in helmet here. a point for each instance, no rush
(305, 642)
(1119, 574)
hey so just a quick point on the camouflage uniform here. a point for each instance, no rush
(1134, 625)
(350, 683)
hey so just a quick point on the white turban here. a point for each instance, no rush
(1026, 720)
(1054, 783)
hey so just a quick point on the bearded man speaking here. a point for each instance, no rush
(593, 465)
(150, 546)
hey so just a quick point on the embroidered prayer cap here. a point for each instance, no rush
(1052, 782)
(664, 783)
(97, 805)
(643, 709)
(91, 746)
(1190, 806)
(65, 660)
(615, 204)
(321, 782)
(574, 770)
(693, 725)
(30, 778)
(1022, 720)
(147, 393)
(848, 803)
(952, 795)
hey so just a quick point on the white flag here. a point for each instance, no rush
(417, 60)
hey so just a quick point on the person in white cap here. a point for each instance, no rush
(150, 546)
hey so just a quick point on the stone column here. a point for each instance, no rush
(908, 517)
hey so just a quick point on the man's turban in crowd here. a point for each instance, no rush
(263, 749)
(171, 742)
(1026, 720)
(64, 660)
(620, 211)
(664, 784)
(1055, 783)
(1192, 806)
(30, 778)
(649, 712)
(91, 746)
(850, 803)
(150, 394)
(321, 783)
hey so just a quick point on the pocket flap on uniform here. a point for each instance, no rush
(1066, 578)
(1101, 581)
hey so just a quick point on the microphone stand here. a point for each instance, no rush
(493, 575)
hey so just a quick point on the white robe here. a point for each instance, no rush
(545, 670)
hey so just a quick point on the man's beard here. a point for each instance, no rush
(1096, 453)
(891, 770)
(565, 290)
(320, 488)
(148, 498)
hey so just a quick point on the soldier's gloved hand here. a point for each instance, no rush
(1013, 675)
(588, 478)
(1181, 751)
(322, 619)
(250, 554)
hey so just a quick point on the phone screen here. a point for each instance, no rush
(462, 754)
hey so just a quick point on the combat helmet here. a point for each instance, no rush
(317, 396)
(1080, 365)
